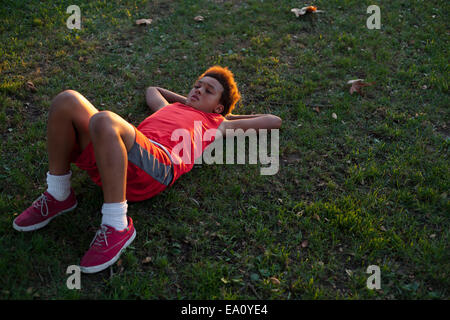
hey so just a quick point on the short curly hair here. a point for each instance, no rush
(230, 95)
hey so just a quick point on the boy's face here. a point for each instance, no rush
(205, 95)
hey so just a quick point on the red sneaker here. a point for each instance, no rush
(42, 211)
(106, 247)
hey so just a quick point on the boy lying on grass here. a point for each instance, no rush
(129, 163)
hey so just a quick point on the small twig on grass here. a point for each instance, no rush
(40, 277)
(254, 290)
(50, 273)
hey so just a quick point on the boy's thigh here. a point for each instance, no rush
(149, 170)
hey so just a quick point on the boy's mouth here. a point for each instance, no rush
(194, 97)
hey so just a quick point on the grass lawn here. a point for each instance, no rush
(368, 187)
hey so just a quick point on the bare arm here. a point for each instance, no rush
(243, 116)
(158, 98)
(257, 122)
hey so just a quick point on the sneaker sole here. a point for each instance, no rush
(105, 265)
(43, 223)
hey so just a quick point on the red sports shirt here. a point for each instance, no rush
(177, 125)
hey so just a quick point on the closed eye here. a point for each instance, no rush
(207, 90)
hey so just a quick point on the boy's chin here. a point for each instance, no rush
(191, 103)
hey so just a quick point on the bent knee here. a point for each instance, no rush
(101, 122)
(64, 96)
(64, 99)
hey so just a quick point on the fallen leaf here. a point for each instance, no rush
(199, 18)
(146, 260)
(300, 12)
(274, 280)
(31, 87)
(305, 243)
(195, 201)
(316, 109)
(334, 115)
(349, 272)
(358, 84)
(143, 22)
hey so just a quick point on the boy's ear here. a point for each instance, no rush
(219, 108)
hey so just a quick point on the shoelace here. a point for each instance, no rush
(41, 202)
(101, 236)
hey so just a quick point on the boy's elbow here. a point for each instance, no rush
(152, 89)
(277, 122)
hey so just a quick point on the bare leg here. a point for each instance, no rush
(73, 119)
(68, 124)
(112, 137)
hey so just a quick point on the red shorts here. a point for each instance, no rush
(149, 172)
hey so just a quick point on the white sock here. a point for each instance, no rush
(115, 215)
(59, 186)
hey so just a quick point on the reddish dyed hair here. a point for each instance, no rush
(230, 94)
